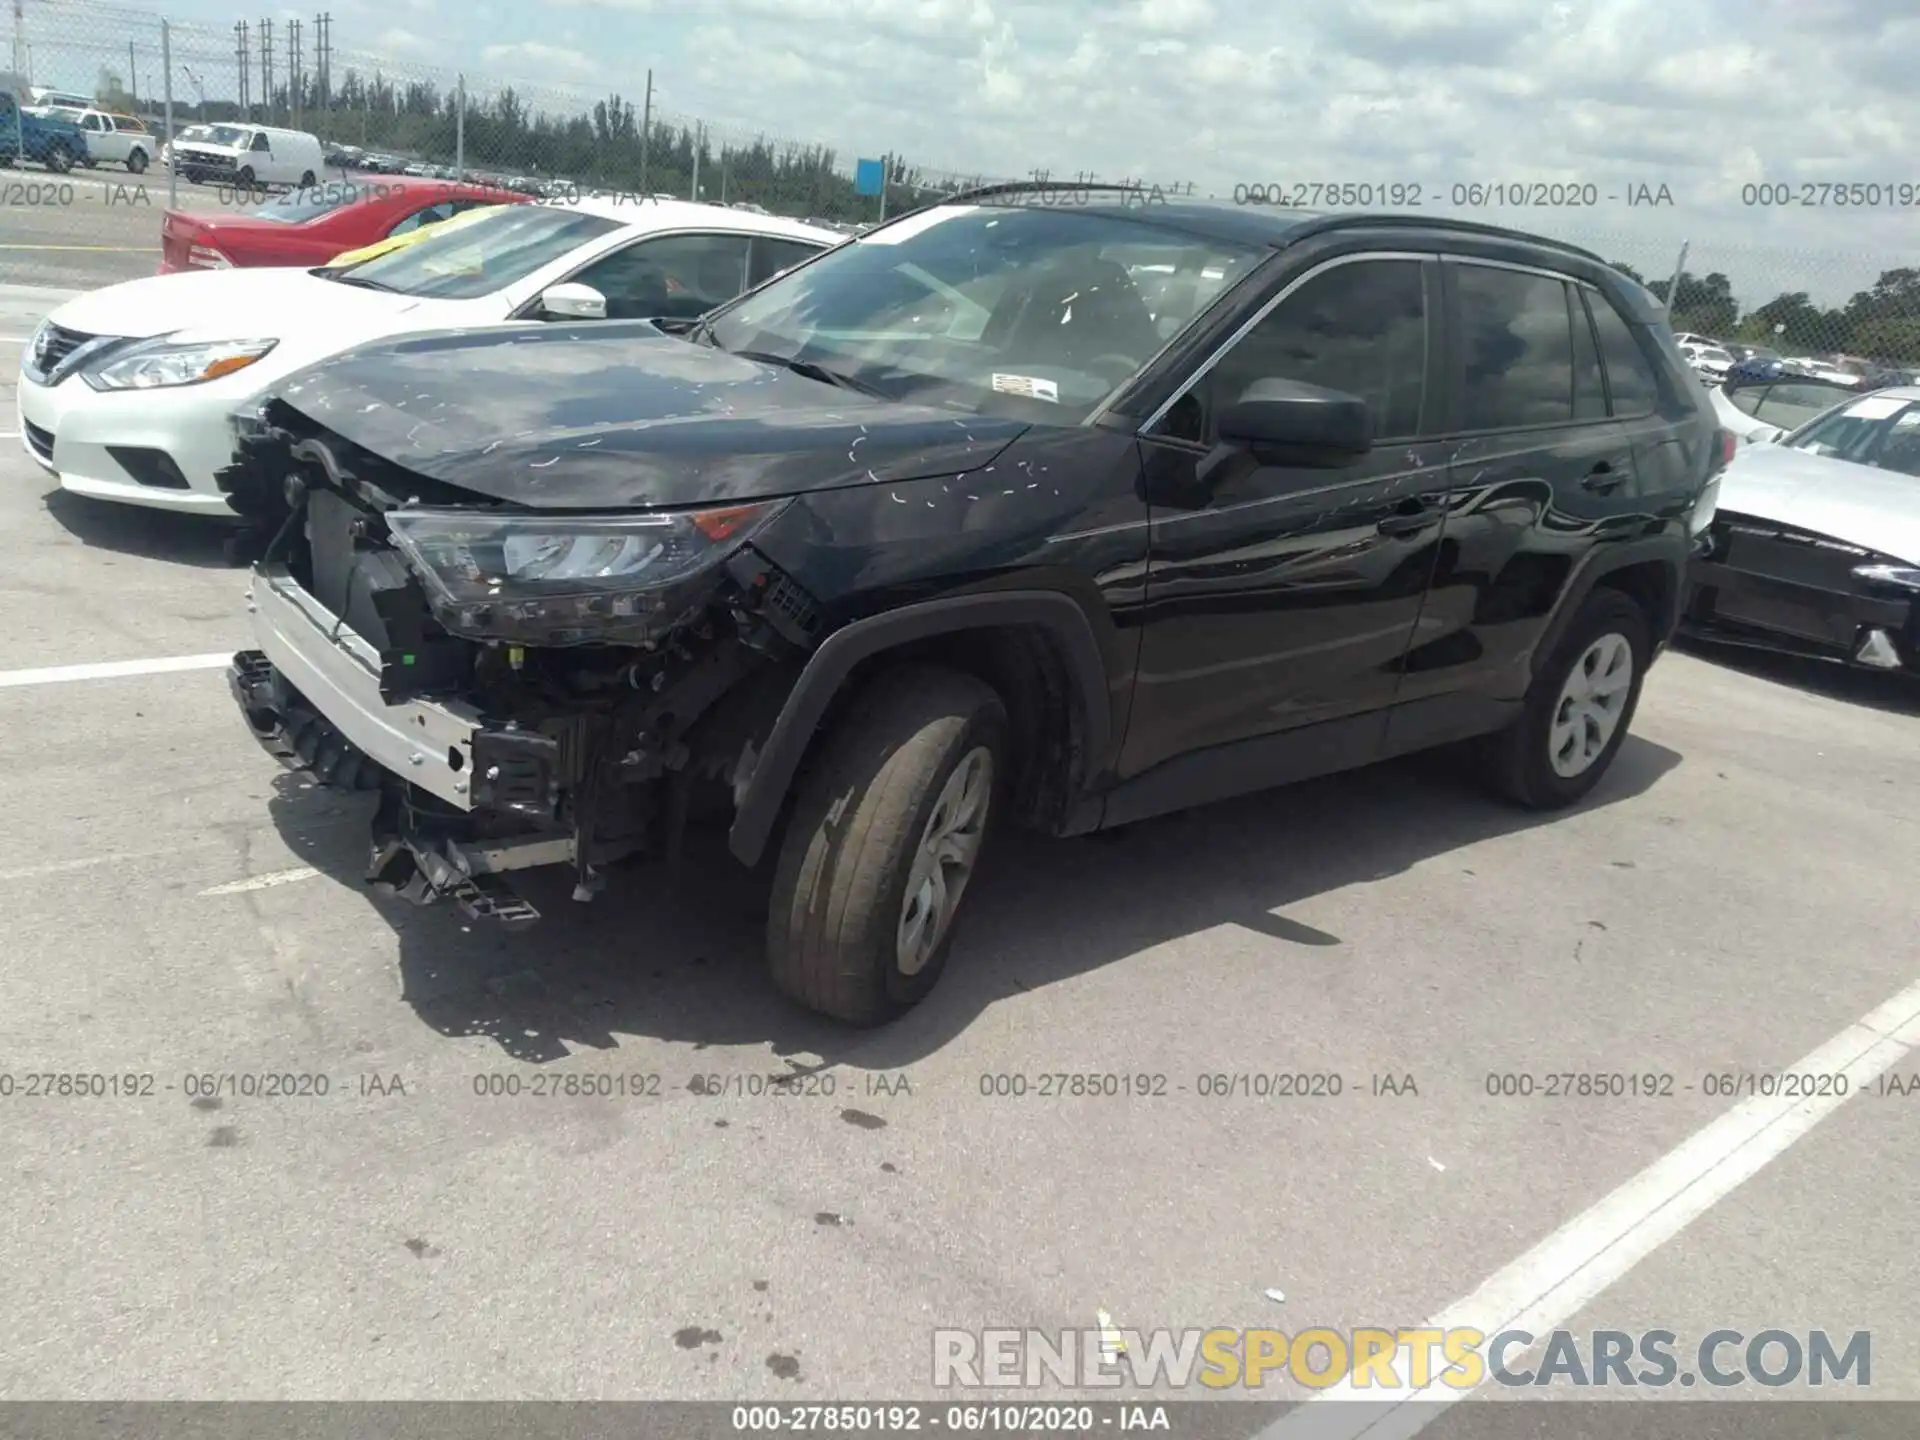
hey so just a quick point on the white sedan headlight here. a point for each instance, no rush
(158, 364)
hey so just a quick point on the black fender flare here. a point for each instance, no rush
(758, 806)
(1669, 548)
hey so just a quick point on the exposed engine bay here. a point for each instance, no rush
(588, 726)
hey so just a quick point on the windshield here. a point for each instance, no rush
(298, 206)
(484, 256)
(217, 135)
(1029, 312)
(1878, 430)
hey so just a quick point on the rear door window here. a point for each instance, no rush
(1630, 379)
(1517, 343)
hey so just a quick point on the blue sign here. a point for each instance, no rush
(869, 176)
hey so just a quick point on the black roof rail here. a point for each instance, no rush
(1438, 222)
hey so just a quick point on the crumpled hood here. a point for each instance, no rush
(270, 302)
(615, 414)
(1875, 509)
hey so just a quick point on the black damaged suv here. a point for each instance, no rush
(1064, 515)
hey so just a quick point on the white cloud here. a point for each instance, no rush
(540, 60)
(1703, 96)
(395, 41)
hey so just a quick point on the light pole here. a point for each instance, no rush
(199, 89)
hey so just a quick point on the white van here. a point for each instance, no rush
(248, 155)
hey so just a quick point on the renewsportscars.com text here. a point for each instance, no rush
(1380, 1360)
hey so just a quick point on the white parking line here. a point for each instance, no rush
(1554, 1281)
(120, 857)
(112, 669)
(263, 882)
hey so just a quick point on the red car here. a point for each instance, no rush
(309, 227)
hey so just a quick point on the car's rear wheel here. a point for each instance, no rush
(1578, 711)
(306, 180)
(59, 159)
(886, 834)
(137, 162)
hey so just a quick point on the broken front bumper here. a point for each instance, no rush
(312, 696)
(309, 667)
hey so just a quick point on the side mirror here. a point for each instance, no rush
(570, 301)
(1288, 422)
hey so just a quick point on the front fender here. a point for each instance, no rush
(765, 791)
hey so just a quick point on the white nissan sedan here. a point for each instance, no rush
(125, 393)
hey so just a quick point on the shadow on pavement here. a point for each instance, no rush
(1891, 691)
(684, 962)
(135, 530)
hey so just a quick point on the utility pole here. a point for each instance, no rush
(295, 81)
(323, 30)
(19, 139)
(166, 85)
(699, 144)
(241, 52)
(460, 128)
(646, 130)
(266, 70)
(1673, 285)
(133, 79)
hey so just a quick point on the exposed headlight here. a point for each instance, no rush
(159, 364)
(1903, 577)
(568, 580)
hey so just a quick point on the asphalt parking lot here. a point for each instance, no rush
(1736, 899)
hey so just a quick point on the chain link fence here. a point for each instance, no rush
(376, 113)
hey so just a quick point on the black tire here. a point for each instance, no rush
(137, 162)
(306, 180)
(864, 803)
(1518, 761)
(244, 180)
(59, 159)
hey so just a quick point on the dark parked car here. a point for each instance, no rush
(1816, 546)
(949, 527)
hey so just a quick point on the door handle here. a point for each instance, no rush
(1411, 522)
(1604, 477)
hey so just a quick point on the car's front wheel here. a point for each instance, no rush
(1577, 712)
(886, 834)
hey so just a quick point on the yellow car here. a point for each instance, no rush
(400, 242)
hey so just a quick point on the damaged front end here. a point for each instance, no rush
(522, 688)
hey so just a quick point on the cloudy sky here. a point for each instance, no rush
(1700, 96)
